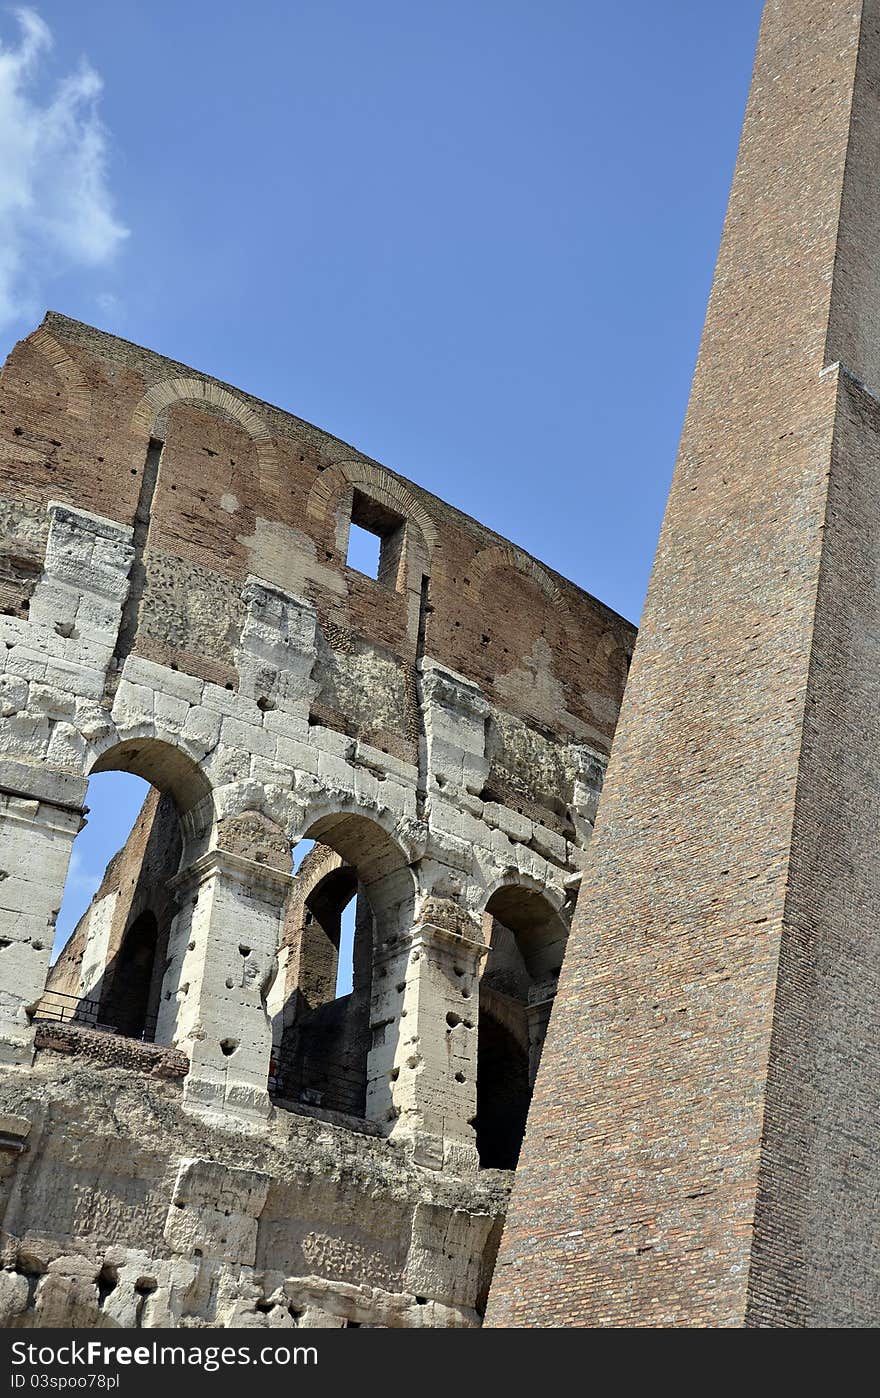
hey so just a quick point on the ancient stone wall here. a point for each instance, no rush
(177, 602)
(123, 1209)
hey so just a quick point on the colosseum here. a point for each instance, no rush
(198, 1129)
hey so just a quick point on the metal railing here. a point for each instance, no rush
(58, 1007)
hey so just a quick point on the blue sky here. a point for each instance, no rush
(473, 239)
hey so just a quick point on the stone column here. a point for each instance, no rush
(40, 816)
(455, 712)
(75, 612)
(222, 952)
(422, 1065)
(589, 776)
(277, 651)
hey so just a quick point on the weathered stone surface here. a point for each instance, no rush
(101, 1047)
(304, 1224)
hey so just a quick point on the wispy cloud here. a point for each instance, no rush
(56, 208)
(79, 890)
(80, 879)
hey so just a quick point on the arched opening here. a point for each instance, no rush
(116, 915)
(527, 939)
(503, 1092)
(351, 886)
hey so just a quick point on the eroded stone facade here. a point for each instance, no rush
(198, 1129)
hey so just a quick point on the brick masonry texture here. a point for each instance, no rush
(120, 1052)
(711, 1077)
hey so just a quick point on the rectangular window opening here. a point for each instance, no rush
(364, 550)
(376, 539)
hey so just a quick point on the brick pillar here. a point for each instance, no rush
(222, 951)
(702, 1143)
(40, 816)
(422, 1066)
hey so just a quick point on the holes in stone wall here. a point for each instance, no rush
(33, 1269)
(107, 1281)
(144, 1288)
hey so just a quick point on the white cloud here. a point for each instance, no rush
(56, 209)
(81, 879)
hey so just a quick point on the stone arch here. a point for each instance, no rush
(377, 483)
(507, 556)
(513, 876)
(371, 842)
(321, 1031)
(296, 813)
(321, 1025)
(326, 892)
(166, 765)
(524, 869)
(79, 398)
(114, 960)
(323, 803)
(164, 395)
(540, 928)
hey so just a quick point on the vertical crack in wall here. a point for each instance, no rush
(138, 573)
(424, 612)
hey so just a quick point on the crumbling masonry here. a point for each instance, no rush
(196, 1129)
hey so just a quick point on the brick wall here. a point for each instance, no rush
(710, 1076)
